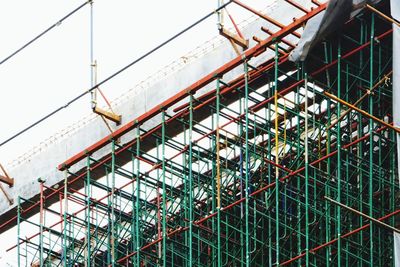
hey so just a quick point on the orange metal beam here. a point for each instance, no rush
(265, 17)
(366, 114)
(297, 5)
(283, 40)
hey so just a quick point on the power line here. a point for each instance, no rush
(115, 73)
(44, 32)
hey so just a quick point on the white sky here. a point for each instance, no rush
(56, 68)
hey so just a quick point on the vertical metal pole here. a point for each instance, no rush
(339, 156)
(219, 256)
(109, 219)
(393, 179)
(87, 211)
(159, 230)
(380, 163)
(242, 245)
(306, 170)
(92, 67)
(113, 200)
(328, 170)
(347, 183)
(92, 62)
(137, 203)
(213, 194)
(41, 222)
(298, 182)
(371, 141)
(185, 199)
(247, 162)
(190, 181)
(267, 153)
(19, 230)
(220, 15)
(159, 234)
(65, 262)
(360, 149)
(164, 197)
(133, 246)
(277, 187)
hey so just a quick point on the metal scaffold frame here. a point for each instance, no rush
(286, 165)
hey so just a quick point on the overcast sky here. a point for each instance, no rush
(56, 68)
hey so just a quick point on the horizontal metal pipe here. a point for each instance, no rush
(366, 114)
(378, 222)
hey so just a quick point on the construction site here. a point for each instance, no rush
(277, 146)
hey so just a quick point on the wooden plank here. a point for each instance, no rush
(235, 38)
(108, 115)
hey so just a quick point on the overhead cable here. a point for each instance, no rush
(44, 32)
(114, 74)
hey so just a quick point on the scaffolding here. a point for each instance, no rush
(285, 165)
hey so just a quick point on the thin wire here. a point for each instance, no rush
(44, 32)
(115, 74)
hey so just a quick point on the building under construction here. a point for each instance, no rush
(284, 155)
